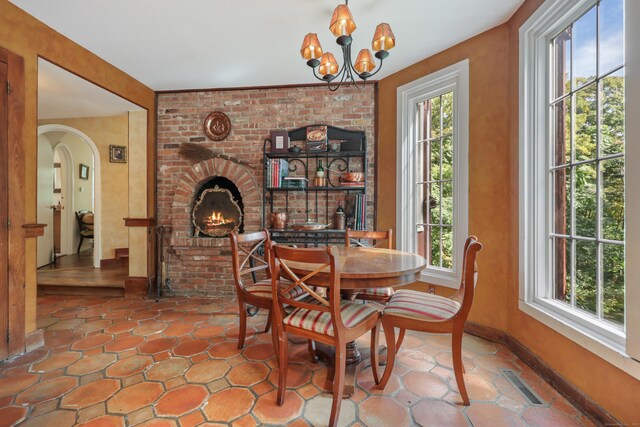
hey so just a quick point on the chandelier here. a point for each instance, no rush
(324, 65)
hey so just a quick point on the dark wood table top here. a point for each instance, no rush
(369, 268)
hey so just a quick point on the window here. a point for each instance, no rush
(433, 170)
(573, 180)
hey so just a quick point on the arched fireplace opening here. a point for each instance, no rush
(217, 209)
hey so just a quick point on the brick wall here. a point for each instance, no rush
(200, 266)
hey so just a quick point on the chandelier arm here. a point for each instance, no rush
(317, 76)
(375, 72)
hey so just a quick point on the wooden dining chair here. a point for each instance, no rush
(245, 260)
(328, 320)
(421, 311)
(376, 239)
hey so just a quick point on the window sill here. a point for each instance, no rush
(572, 331)
(439, 278)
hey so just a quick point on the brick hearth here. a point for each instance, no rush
(201, 266)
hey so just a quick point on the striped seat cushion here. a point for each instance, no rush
(376, 292)
(263, 289)
(421, 305)
(318, 321)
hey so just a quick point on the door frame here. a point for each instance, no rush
(15, 233)
(97, 251)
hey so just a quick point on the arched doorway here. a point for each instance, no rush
(44, 129)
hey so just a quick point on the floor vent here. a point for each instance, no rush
(523, 388)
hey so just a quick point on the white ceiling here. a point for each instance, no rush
(62, 95)
(188, 44)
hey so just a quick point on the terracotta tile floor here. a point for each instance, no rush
(116, 361)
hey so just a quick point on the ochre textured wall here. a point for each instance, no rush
(27, 37)
(489, 217)
(114, 177)
(493, 206)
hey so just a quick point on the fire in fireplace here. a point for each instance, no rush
(218, 209)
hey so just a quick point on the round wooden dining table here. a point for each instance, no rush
(360, 268)
(364, 267)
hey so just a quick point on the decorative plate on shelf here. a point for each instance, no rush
(217, 126)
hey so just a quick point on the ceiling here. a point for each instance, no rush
(62, 95)
(190, 44)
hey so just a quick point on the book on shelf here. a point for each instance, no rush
(356, 211)
(276, 171)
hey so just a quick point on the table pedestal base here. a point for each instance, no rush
(355, 360)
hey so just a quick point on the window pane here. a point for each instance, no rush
(562, 201)
(562, 132)
(421, 121)
(584, 48)
(435, 117)
(434, 233)
(585, 200)
(613, 283)
(586, 276)
(447, 157)
(562, 63)
(447, 202)
(613, 199)
(447, 247)
(422, 166)
(447, 113)
(562, 269)
(434, 204)
(586, 129)
(611, 35)
(612, 116)
(434, 166)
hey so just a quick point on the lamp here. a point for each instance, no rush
(342, 26)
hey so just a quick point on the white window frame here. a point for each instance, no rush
(611, 343)
(454, 78)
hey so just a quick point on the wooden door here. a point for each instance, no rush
(4, 177)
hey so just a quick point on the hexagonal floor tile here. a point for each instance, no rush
(424, 384)
(90, 364)
(224, 350)
(168, 368)
(190, 347)
(268, 412)
(181, 400)
(105, 421)
(207, 371)
(438, 413)
(56, 361)
(488, 415)
(260, 352)
(134, 397)
(54, 418)
(318, 409)
(248, 374)
(228, 404)
(12, 415)
(90, 394)
(129, 366)
(124, 343)
(47, 390)
(383, 411)
(297, 376)
(17, 383)
(92, 341)
(157, 345)
(178, 329)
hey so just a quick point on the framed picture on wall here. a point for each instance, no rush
(84, 172)
(117, 153)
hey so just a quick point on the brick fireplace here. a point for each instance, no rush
(200, 265)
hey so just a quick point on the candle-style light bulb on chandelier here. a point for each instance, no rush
(324, 64)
